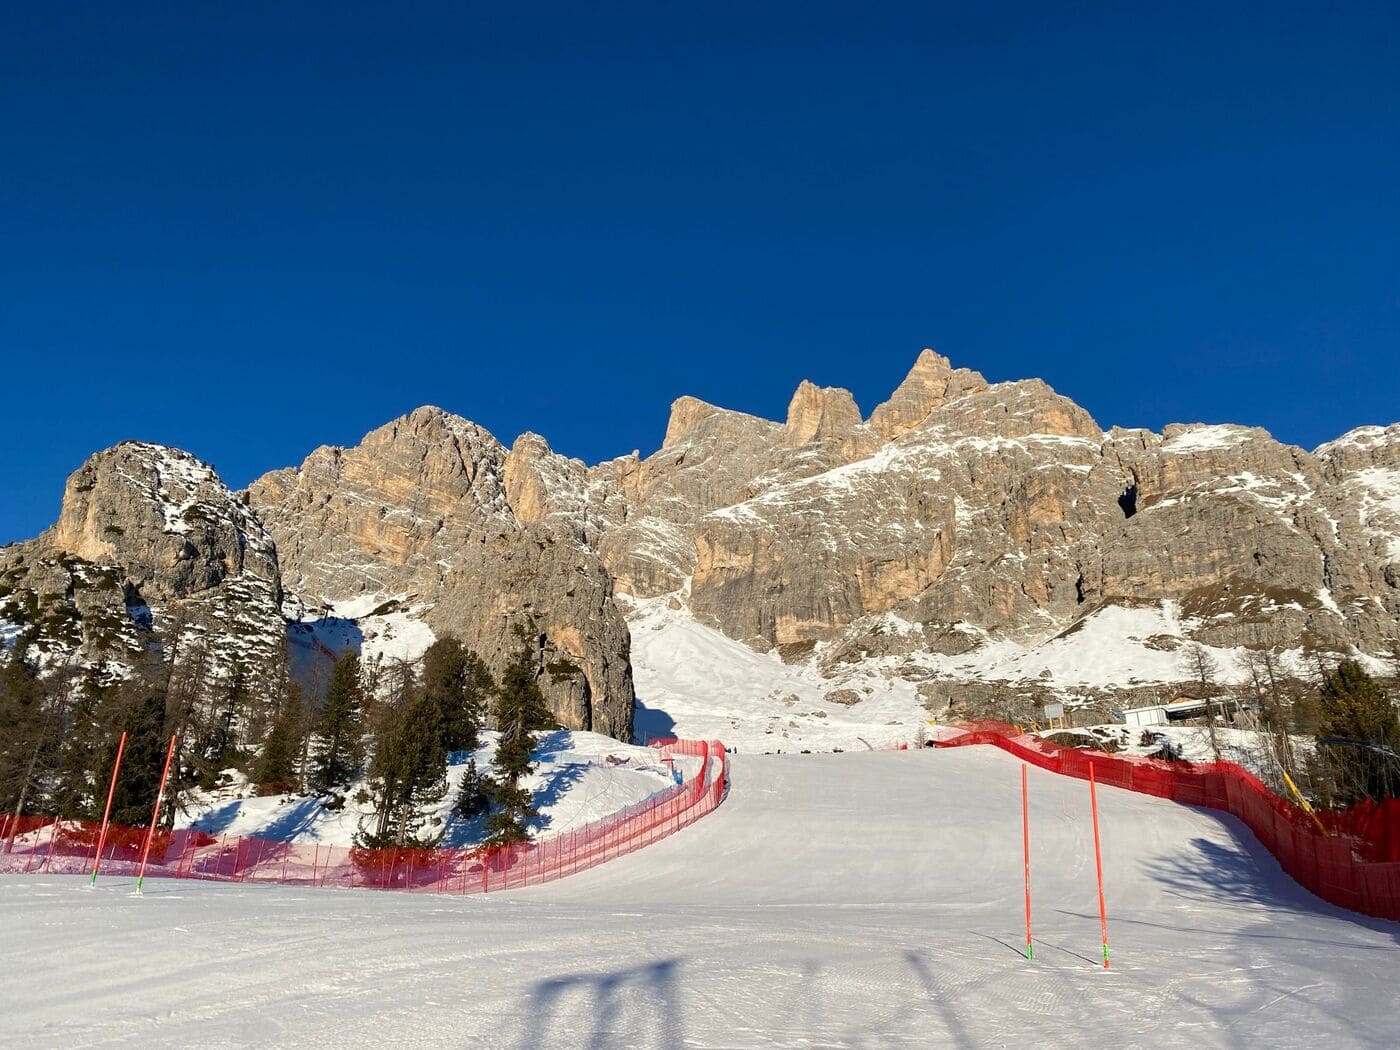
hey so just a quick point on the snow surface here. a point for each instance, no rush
(579, 777)
(1203, 437)
(858, 900)
(397, 635)
(1380, 504)
(695, 682)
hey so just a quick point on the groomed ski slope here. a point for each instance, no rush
(852, 900)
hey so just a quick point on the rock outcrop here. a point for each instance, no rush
(151, 551)
(432, 510)
(932, 382)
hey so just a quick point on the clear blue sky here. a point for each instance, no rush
(252, 232)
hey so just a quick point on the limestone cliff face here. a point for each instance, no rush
(959, 517)
(431, 508)
(150, 550)
(1363, 467)
(983, 511)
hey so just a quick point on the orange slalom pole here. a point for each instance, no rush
(106, 813)
(1026, 846)
(155, 814)
(1098, 864)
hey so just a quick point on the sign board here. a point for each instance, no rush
(1054, 711)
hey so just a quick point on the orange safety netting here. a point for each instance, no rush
(46, 846)
(1356, 865)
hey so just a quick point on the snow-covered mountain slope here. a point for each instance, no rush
(383, 631)
(880, 683)
(579, 777)
(866, 900)
(693, 681)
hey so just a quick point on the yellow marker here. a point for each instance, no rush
(1304, 803)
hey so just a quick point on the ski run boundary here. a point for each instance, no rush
(1351, 860)
(46, 846)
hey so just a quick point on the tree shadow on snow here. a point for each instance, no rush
(313, 646)
(1245, 872)
(292, 820)
(555, 787)
(594, 1003)
(552, 742)
(219, 819)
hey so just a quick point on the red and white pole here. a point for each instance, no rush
(1026, 848)
(1098, 864)
(155, 814)
(106, 813)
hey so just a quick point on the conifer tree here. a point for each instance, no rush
(459, 683)
(26, 736)
(219, 746)
(83, 748)
(474, 794)
(1355, 711)
(408, 766)
(520, 710)
(140, 707)
(339, 750)
(276, 770)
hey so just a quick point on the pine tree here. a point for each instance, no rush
(85, 747)
(458, 681)
(26, 736)
(140, 705)
(276, 771)
(219, 751)
(520, 710)
(339, 749)
(474, 794)
(1356, 712)
(408, 766)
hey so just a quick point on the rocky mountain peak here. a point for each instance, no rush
(1362, 448)
(164, 516)
(819, 414)
(686, 414)
(929, 385)
(961, 518)
(540, 482)
(430, 510)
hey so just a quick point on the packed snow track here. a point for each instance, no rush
(856, 900)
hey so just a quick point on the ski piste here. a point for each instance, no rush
(858, 899)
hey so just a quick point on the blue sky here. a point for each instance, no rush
(252, 232)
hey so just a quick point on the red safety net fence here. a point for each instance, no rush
(1355, 865)
(38, 845)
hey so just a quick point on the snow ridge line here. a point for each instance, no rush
(1356, 866)
(68, 846)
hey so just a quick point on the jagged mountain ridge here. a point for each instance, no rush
(959, 516)
(979, 513)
